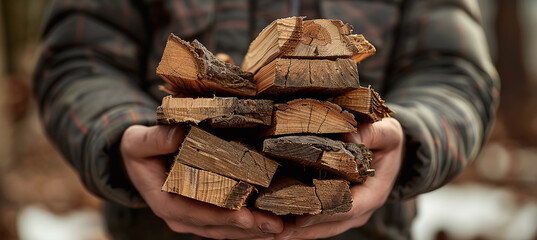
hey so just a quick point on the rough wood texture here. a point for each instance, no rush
(224, 112)
(310, 116)
(191, 68)
(364, 103)
(307, 77)
(365, 49)
(295, 38)
(334, 195)
(347, 160)
(290, 196)
(203, 150)
(207, 187)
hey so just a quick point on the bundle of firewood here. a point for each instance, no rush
(267, 135)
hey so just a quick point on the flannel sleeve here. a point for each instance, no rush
(87, 82)
(444, 88)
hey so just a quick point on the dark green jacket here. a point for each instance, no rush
(96, 76)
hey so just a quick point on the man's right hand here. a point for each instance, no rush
(143, 149)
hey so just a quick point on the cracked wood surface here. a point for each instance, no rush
(307, 77)
(289, 196)
(334, 195)
(295, 38)
(309, 116)
(203, 150)
(223, 112)
(190, 68)
(207, 187)
(364, 103)
(347, 160)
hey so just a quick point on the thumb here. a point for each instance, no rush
(385, 134)
(143, 141)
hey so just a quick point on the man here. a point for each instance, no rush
(97, 89)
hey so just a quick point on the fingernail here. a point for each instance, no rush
(266, 228)
(171, 134)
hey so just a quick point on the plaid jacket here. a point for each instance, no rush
(96, 76)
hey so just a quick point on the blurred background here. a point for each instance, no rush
(41, 197)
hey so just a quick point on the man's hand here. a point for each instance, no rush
(142, 149)
(385, 139)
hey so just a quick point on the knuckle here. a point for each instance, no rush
(238, 220)
(129, 137)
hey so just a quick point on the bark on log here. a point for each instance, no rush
(223, 112)
(347, 160)
(190, 68)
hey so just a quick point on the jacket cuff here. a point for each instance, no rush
(417, 167)
(105, 174)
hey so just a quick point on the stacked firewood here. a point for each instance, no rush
(267, 134)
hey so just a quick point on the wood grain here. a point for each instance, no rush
(203, 150)
(295, 38)
(289, 196)
(190, 68)
(347, 160)
(334, 195)
(310, 116)
(365, 104)
(223, 112)
(207, 187)
(319, 78)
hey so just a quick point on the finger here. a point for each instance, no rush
(322, 230)
(385, 134)
(363, 200)
(142, 141)
(177, 208)
(220, 232)
(309, 220)
(267, 222)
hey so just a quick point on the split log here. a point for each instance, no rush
(290, 196)
(207, 186)
(223, 112)
(295, 38)
(203, 150)
(347, 160)
(334, 194)
(365, 104)
(307, 77)
(310, 116)
(191, 68)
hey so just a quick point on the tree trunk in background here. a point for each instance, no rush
(515, 92)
